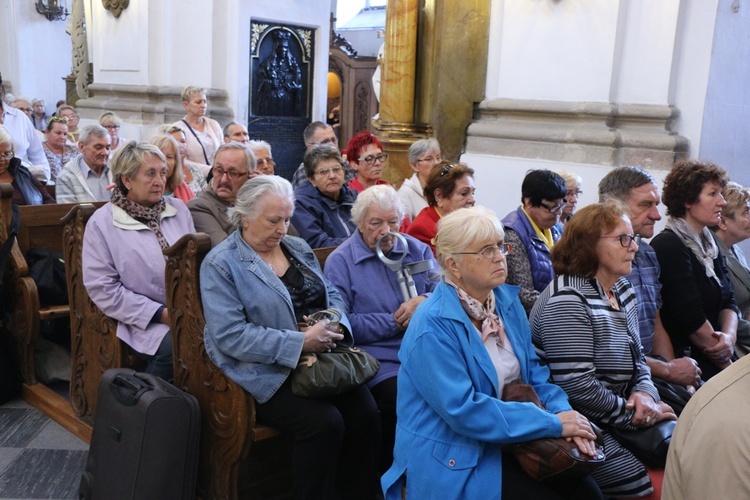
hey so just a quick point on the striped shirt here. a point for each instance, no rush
(587, 345)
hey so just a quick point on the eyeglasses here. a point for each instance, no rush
(266, 161)
(431, 159)
(625, 239)
(490, 251)
(7, 156)
(325, 171)
(370, 160)
(25, 110)
(556, 208)
(570, 194)
(111, 127)
(232, 174)
(332, 140)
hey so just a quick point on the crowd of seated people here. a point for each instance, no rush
(572, 300)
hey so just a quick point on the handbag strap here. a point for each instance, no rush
(197, 139)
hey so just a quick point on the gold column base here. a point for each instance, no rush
(396, 139)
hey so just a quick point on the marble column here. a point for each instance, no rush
(396, 128)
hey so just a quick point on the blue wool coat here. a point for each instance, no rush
(451, 422)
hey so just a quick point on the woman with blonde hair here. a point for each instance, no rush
(112, 123)
(176, 186)
(204, 135)
(463, 345)
(191, 171)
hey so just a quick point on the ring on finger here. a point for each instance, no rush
(648, 418)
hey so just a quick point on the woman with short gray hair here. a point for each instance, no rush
(259, 286)
(377, 309)
(323, 206)
(423, 155)
(123, 260)
(204, 135)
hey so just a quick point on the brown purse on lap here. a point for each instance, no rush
(549, 457)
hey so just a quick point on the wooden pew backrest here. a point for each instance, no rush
(94, 347)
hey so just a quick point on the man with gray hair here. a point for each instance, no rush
(233, 165)
(85, 178)
(637, 189)
(319, 133)
(236, 132)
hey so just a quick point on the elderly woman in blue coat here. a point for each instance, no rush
(463, 344)
(257, 287)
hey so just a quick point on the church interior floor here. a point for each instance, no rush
(38, 458)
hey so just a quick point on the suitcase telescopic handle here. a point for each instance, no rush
(128, 389)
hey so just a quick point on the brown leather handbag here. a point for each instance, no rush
(549, 457)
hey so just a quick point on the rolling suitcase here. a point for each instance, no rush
(145, 440)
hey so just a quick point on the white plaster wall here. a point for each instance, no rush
(552, 50)
(498, 180)
(196, 42)
(35, 53)
(308, 13)
(726, 120)
(645, 45)
(690, 67)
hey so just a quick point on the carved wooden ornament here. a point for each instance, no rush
(115, 6)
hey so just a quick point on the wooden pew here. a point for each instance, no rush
(40, 226)
(229, 427)
(95, 347)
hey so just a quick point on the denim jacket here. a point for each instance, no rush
(251, 332)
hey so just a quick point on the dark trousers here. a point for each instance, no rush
(385, 397)
(336, 442)
(160, 364)
(518, 485)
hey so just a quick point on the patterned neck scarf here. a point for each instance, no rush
(151, 217)
(492, 325)
(701, 244)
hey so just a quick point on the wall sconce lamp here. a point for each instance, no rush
(52, 9)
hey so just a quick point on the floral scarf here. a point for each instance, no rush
(701, 244)
(492, 325)
(151, 217)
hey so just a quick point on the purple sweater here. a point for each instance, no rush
(372, 294)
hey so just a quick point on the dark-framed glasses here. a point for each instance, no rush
(625, 239)
(8, 156)
(556, 208)
(232, 174)
(111, 127)
(370, 160)
(490, 251)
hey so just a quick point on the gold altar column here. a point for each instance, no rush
(396, 128)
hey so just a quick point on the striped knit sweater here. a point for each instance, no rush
(587, 345)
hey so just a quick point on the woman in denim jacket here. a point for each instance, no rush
(257, 286)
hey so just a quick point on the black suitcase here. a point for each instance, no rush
(145, 440)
